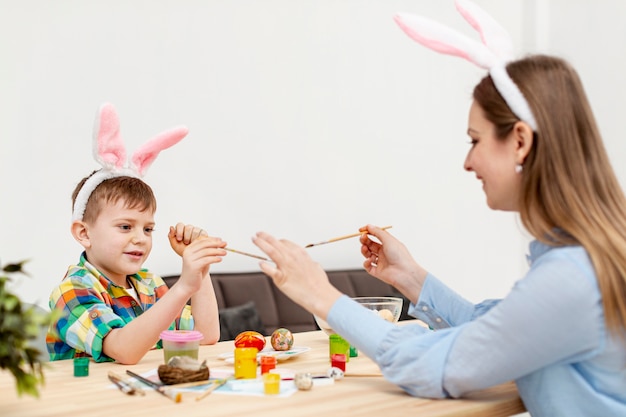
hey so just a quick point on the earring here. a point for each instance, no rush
(519, 168)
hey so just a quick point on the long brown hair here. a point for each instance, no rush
(569, 193)
(133, 191)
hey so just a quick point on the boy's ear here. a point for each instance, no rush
(81, 233)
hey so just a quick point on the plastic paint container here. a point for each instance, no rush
(180, 343)
(271, 383)
(81, 366)
(338, 360)
(245, 363)
(267, 364)
(338, 344)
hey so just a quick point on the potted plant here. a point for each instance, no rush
(19, 327)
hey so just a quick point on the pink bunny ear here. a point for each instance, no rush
(147, 153)
(108, 147)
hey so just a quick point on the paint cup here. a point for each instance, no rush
(267, 364)
(271, 383)
(245, 363)
(338, 344)
(81, 366)
(338, 360)
(180, 343)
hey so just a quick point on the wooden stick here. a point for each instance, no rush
(216, 384)
(247, 254)
(188, 384)
(335, 239)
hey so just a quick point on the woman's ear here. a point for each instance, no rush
(81, 233)
(523, 136)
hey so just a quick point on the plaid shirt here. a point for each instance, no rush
(91, 306)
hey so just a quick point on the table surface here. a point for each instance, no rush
(66, 395)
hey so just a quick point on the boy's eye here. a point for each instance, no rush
(125, 227)
(149, 230)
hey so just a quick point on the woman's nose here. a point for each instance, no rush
(467, 163)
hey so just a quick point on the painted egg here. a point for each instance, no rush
(282, 339)
(250, 338)
(303, 381)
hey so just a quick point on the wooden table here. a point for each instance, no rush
(68, 396)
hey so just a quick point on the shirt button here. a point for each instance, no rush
(424, 308)
(438, 320)
(94, 315)
(133, 303)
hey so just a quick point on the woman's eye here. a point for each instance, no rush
(473, 142)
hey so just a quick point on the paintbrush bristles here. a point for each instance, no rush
(335, 239)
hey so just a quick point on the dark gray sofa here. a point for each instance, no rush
(251, 301)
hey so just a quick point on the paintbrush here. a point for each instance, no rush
(216, 384)
(247, 254)
(174, 396)
(125, 386)
(335, 239)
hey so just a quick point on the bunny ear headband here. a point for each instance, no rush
(492, 54)
(109, 151)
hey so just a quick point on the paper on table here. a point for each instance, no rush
(249, 387)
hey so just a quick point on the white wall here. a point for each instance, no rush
(307, 119)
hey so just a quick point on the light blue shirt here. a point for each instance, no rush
(548, 335)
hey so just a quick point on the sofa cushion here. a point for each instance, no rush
(234, 320)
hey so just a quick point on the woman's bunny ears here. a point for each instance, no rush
(110, 152)
(492, 54)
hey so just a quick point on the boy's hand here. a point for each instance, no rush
(182, 235)
(198, 250)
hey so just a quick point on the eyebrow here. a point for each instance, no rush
(470, 130)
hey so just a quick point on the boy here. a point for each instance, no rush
(111, 308)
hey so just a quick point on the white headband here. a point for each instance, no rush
(110, 152)
(492, 54)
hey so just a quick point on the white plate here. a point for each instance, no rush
(280, 355)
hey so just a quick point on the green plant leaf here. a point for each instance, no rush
(18, 327)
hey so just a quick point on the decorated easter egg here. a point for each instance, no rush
(250, 338)
(282, 339)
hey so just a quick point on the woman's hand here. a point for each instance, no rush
(297, 275)
(391, 262)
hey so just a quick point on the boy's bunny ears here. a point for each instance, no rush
(492, 54)
(110, 152)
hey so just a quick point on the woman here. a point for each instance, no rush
(560, 332)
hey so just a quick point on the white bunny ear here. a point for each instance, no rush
(147, 153)
(442, 39)
(108, 148)
(492, 34)
(492, 54)
(110, 152)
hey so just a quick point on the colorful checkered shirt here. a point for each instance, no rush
(91, 306)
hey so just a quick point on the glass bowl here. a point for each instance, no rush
(388, 308)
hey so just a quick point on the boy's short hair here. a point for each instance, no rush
(135, 193)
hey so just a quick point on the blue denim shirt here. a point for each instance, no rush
(548, 335)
